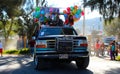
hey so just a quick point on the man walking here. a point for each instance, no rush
(1, 48)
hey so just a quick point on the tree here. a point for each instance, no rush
(9, 10)
(28, 25)
(108, 8)
(12, 7)
(113, 28)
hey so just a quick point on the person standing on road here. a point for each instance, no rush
(1, 48)
(31, 44)
(102, 47)
(112, 51)
(116, 49)
(97, 48)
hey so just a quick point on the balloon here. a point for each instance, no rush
(42, 12)
(36, 20)
(37, 14)
(37, 9)
(75, 7)
(74, 12)
(66, 16)
(68, 12)
(64, 11)
(77, 16)
(68, 9)
(71, 8)
(82, 13)
(78, 11)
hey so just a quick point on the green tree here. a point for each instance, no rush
(108, 8)
(9, 10)
(113, 28)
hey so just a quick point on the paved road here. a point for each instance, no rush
(24, 65)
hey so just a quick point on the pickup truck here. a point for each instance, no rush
(60, 44)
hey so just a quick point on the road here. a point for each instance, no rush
(24, 65)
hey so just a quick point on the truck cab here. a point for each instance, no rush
(60, 44)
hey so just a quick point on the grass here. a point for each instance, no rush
(17, 51)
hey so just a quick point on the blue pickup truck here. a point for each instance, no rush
(60, 44)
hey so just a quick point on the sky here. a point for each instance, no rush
(63, 4)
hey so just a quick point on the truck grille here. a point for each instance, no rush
(64, 45)
(51, 44)
(75, 44)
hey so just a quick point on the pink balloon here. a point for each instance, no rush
(82, 13)
(68, 9)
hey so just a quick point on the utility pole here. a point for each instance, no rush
(84, 19)
(84, 22)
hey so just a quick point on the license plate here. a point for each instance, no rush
(63, 56)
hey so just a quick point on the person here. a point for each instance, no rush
(31, 44)
(97, 47)
(116, 49)
(1, 48)
(59, 21)
(102, 46)
(69, 21)
(112, 51)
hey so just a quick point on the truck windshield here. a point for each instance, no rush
(57, 31)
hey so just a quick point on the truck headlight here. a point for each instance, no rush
(41, 44)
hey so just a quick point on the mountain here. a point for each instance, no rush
(90, 25)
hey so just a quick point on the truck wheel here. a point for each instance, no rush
(82, 63)
(38, 64)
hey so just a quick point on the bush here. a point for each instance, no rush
(24, 51)
(20, 51)
(10, 52)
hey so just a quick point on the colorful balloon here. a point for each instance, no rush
(37, 9)
(82, 13)
(75, 7)
(64, 11)
(71, 8)
(42, 12)
(68, 9)
(78, 11)
(66, 16)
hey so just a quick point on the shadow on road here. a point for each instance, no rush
(65, 69)
(28, 68)
(59, 69)
(113, 71)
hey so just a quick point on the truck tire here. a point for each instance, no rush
(82, 63)
(38, 63)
